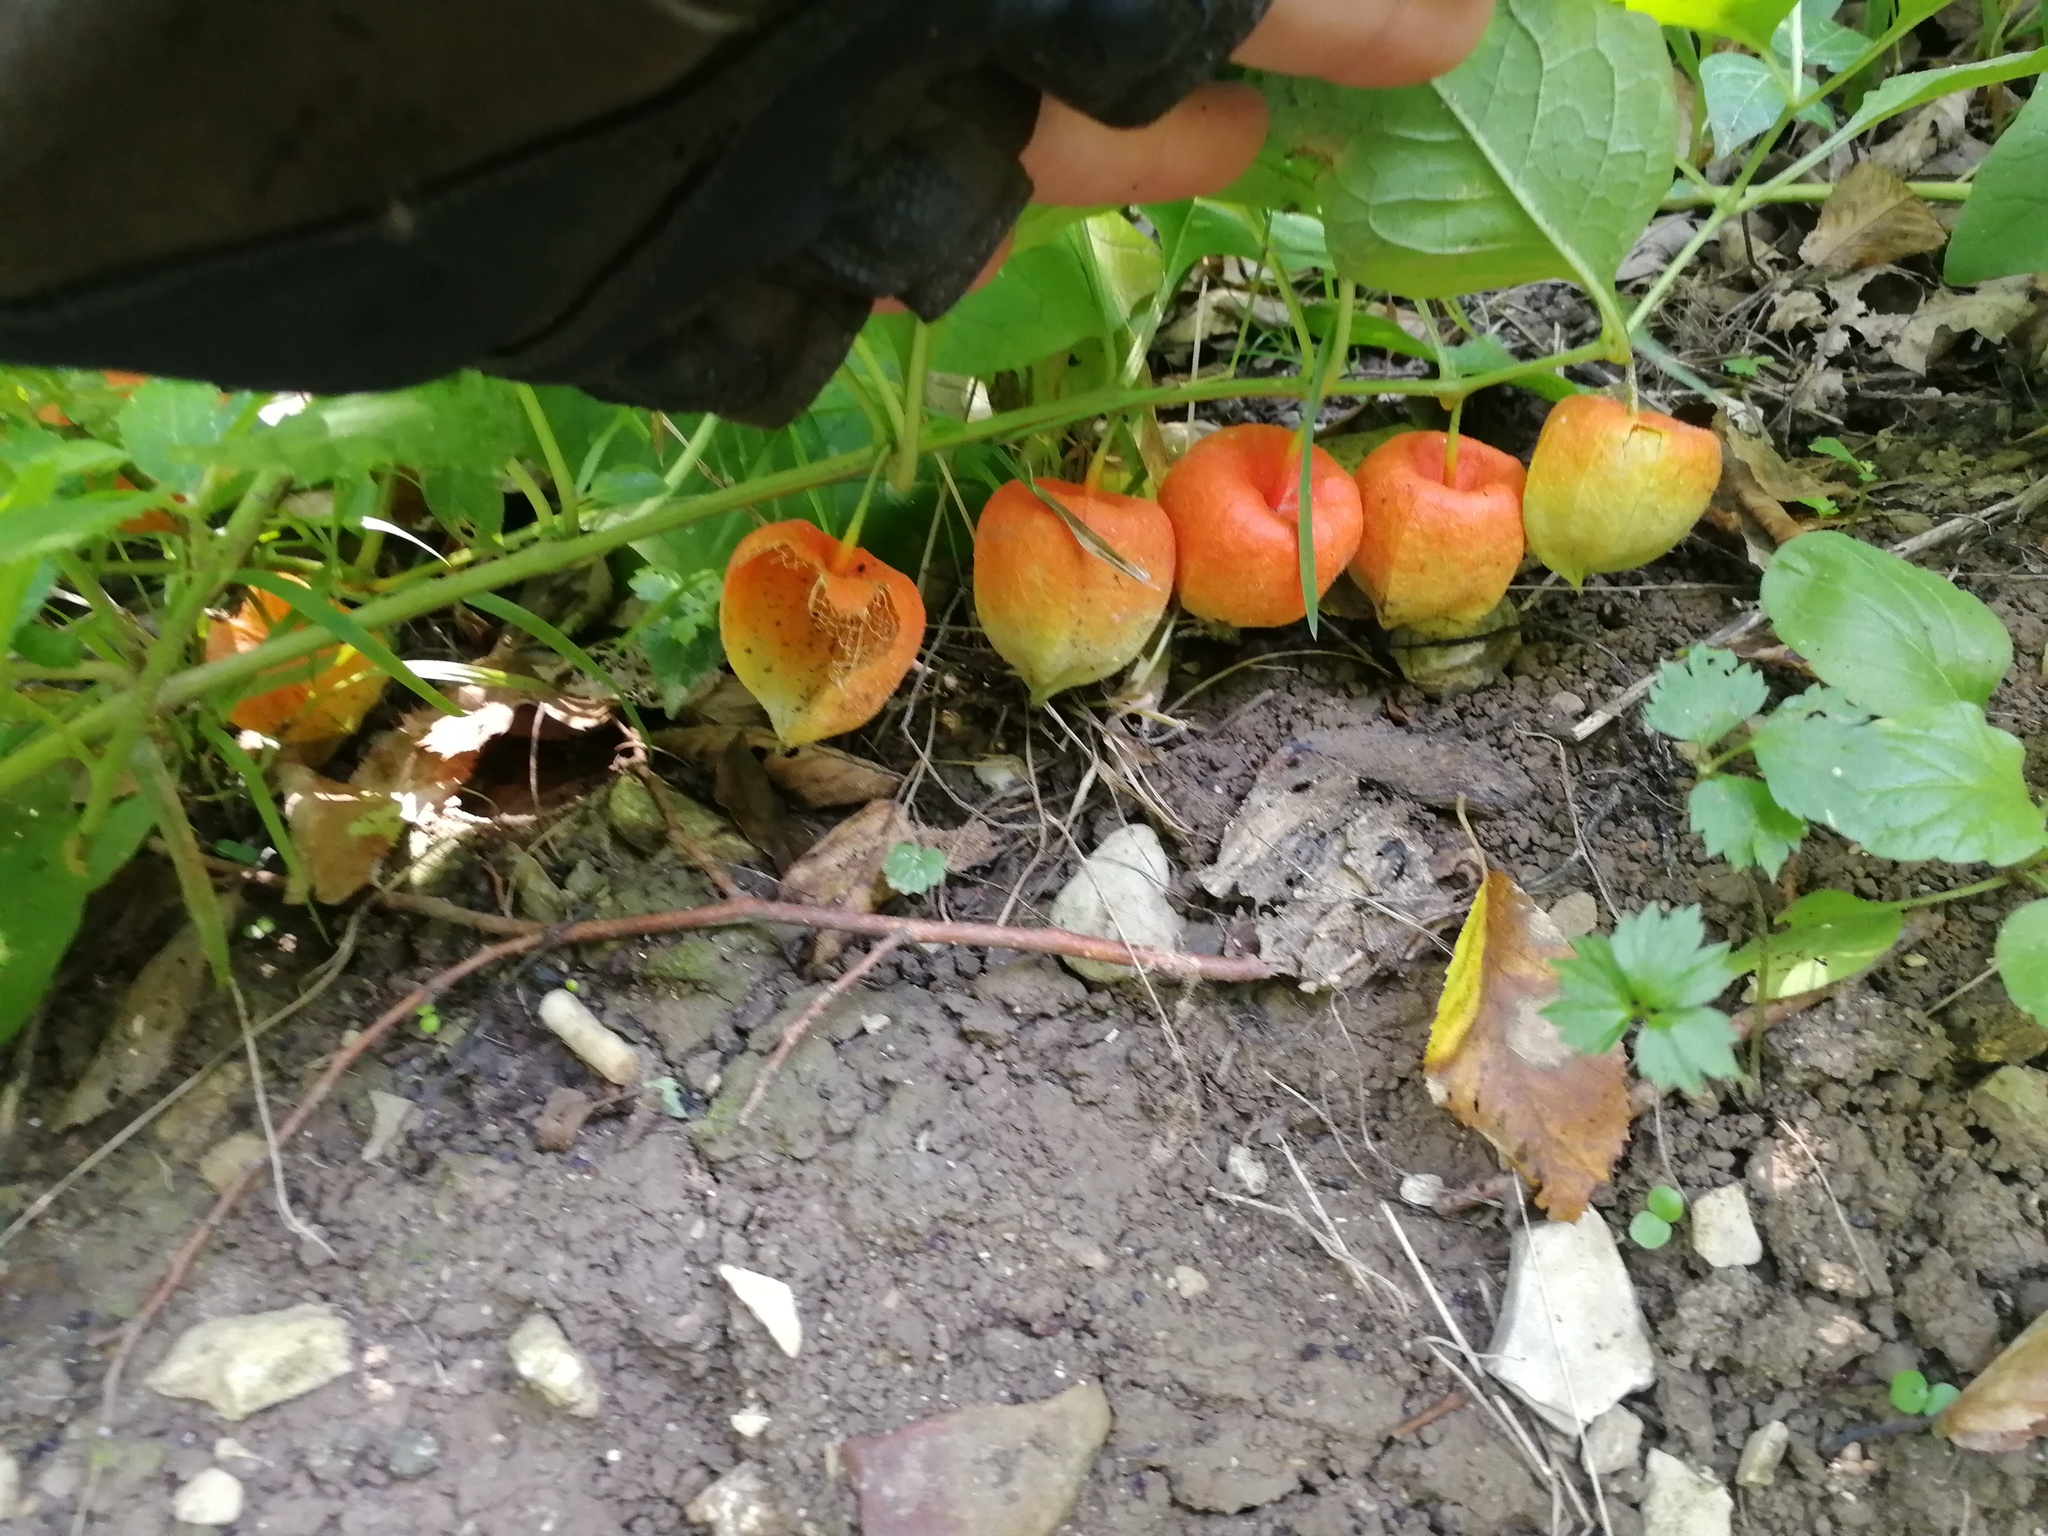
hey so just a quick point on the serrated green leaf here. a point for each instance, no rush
(172, 430)
(1594, 1007)
(1039, 304)
(2022, 955)
(1839, 933)
(1704, 696)
(1739, 821)
(28, 533)
(1201, 227)
(1747, 21)
(1544, 155)
(1667, 960)
(468, 422)
(2003, 230)
(1938, 783)
(1891, 636)
(1683, 1049)
(911, 870)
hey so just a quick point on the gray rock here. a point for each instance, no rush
(238, 1365)
(984, 1471)
(1614, 1441)
(1120, 893)
(633, 814)
(212, 1498)
(741, 1503)
(414, 1453)
(10, 1484)
(1761, 1454)
(1949, 1311)
(2012, 1103)
(1678, 1501)
(1570, 1340)
(1723, 1232)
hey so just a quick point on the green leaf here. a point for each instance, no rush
(1704, 696)
(1040, 303)
(912, 870)
(1828, 935)
(1667, 960)
(1665, 1202)
(1839, 451)
(1595, 1006)
(1902, 93)
(1682, 1050)
(1739, 821)
(316, 610)
(1646, 1229)
(2022, 955)
(171, 430)
(28, 533)
(2004, 226)
(1889, 635)
(1743, 98)
(35, 822)
(1747, 21)
(1939, 1396)
(465, 422)
(1823, 41)
(1939, 783)
(1201, 227)
(1908, 1392)
(469, 502)
(1544, 155)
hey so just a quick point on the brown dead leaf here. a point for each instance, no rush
(1560, 1118)
(410, 775)
(844, 867)
(1775, 477)
(145, 1030)
(813, 776)
(1871, 218)
(969, 846)
(2006, 1407)
(1993, 310)
(743, 791)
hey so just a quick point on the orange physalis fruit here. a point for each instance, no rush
(1234, 499)
(1056, 611)
(819, 634)
(1434, 552)
(1610, 489)
(321, 699)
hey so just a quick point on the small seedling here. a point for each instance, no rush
(912, 870)
(429, 1018)
(670, 1093)
(571, 984)
(262, 928)
(1837, 450)
(240, 852)
(1663, 1209)
(1743, 367)
(1912, 1393)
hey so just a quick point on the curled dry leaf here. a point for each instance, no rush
(1560, 1118)
(409, 776)
(844, 867)
(813, 775)
(2005, 1408)
(1872, 218)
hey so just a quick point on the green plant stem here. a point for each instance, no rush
(551, 453)
(878, 378)
(1805, 192)
(850, 540)
(543, 509)
(1960, 893)
(903, 473)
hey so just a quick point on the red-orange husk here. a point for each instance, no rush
(1059, 614)
(328, 696)
(1234, 499)
(820, 635)
(1435, 553)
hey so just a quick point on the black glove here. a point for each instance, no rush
(682, 204)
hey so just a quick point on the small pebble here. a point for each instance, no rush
(1422, 1189)
(213, 1497)
(553, 1367)
(750, 1423)
(1723, 1232)
(414, 1453)
(1761, 1454)
(10, 1484)
(1246, 1168)
(1188, 1283)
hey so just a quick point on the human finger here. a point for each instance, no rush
(1201, 146)
(1366, 42)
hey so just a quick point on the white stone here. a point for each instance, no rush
(590, 1038)
(1723, 1233)
(1678, 1501)
(1761, 1453)
(553, 1367)
(1246, 1168)
(741, 1503)
(1570, 1340)
(1422, 1189)
(751, 1423)
(1188, 1282)
(389, 1117)
(10, 1484)
(237, 1365)
(213, 1497)
(223, 1164)
(1614, 1441)
(771, 1301)
(1120, 893)
(1576, 915)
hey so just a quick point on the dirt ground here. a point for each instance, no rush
(987, 1181)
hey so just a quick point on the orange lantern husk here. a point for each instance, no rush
(1434, 552)
(319, 700)
(1058, 613)
(819, 633)
(1610, 489)
(1234, 499)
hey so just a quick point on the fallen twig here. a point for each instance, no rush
(800, 1026)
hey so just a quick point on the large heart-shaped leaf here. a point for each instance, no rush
(2004, 227)
(1749, 21)
(1542, 156)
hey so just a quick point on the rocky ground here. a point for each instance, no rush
(1170, 1216)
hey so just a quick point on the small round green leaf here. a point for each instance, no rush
(1649, 1230)
(1939, 1396)
(1909, 1392)
(2023, 958)
(1665, 1203)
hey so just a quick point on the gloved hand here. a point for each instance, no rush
(685, 204)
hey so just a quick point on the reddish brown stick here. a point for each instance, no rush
(800, 1026)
